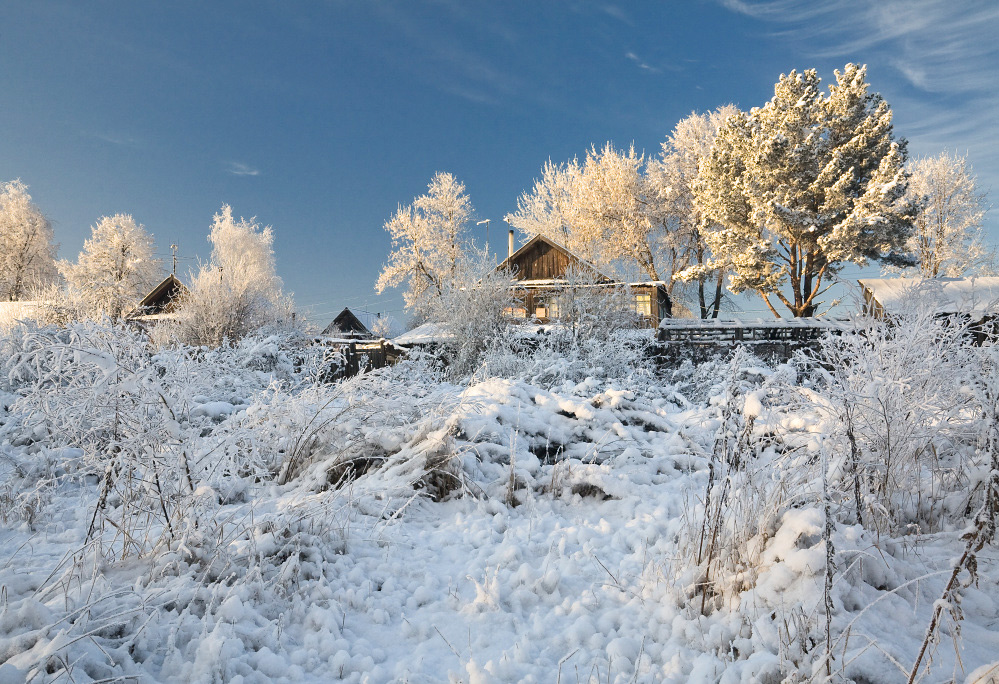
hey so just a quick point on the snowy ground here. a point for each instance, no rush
(498, 531)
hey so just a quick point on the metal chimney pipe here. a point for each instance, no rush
(510, 245)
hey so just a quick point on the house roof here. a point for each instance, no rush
(423, 334)
(363, 322)
(975, 296)
(533, 242)
(159, 298)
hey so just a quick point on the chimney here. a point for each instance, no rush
(511, 245)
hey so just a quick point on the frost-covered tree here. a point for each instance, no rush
(428, 239)
(116, 268)
(27, 250)
(803, 185)
(551, 208)
(607, 210)
(947, 240)
(674, 174)
(238, 291)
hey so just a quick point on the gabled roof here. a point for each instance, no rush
(362, 323)
(160, 298)
(347, 322)
(975, 296)
(537, 240)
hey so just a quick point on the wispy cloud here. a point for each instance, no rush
(641, 63)
(241, 169)
(618, 13)
(936, 45)
(118, 139)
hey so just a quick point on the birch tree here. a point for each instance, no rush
(606, 210)
(802, 186)
(947, 240)
(27, 250)
(428, 239)
(675, 174)
(116, 268)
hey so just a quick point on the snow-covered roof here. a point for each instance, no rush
(374, 321)
(374, 324)
(974, 296)
(561, 283)
(423, 334)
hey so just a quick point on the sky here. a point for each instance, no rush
(320, 118)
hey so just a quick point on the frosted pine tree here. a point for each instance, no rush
(802, 186)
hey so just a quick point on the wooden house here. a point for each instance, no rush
(540, 268)
(161, 302)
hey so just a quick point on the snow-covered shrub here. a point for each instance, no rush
(753, 476)
(901, 418)
(238, 292)
(97, 389)
(472, 313)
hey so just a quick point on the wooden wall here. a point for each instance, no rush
(541, 262)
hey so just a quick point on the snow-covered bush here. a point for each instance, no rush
(472, 313)
(901, 419)
(238, 292)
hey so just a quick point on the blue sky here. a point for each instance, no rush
(319, 118)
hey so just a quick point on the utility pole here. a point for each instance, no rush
(486, 221)
(173, 248)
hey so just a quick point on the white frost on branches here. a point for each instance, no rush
(27, 250)
(674, 174)
(115, 269)
(238, 291)
(804, 184)
(428, 239)
(948, 240)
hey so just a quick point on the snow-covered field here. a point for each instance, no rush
(201, 516)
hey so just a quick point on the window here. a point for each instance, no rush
(546, 307)
(643, 305)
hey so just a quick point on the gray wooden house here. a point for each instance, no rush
(540, 269)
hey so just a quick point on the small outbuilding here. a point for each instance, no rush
(975, 301)
(161, 302)
(362, 325)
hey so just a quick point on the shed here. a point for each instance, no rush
(974, 297)
(161, 302)
(973, 301)
(362, 325)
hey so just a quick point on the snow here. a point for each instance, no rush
(422, 334)
(502, 530)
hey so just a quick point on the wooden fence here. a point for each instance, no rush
(352, 357)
